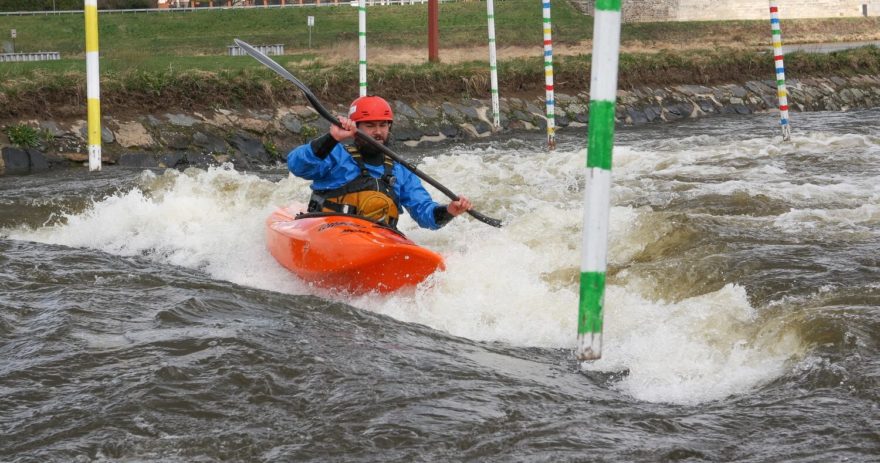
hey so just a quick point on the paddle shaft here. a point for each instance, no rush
(271, 64)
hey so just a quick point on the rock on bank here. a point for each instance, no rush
(251, 139)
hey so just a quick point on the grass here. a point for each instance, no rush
(204, 32)
(47, 93)
(156, 61)
(462, 24)
(24, 136)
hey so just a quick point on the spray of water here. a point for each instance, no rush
(519, 284)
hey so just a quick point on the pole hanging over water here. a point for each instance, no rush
(493, 65)
(600, 144)
(548, 78)
(781, 91)
(362, 39)
(93, 86)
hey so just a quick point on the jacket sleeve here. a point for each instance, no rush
(416, 199)
(303, 162)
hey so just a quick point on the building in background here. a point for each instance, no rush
(714, 10)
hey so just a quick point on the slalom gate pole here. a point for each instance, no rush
(493, 65)
(434, 31)
(548, 78)
(93, 85)
(781, 90)
(600, 144)
(362, 39)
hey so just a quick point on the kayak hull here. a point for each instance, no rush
(347, 253)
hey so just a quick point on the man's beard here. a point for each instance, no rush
(371, 152)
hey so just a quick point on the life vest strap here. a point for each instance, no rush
(349, 209)
(340, 199)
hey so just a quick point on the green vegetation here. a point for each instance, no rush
(62, 5)
(308, 132)
(272, 149)
(40, 5)
(209, 32)
(49, 93)
(139, 36)
(25, 136)
(157, 61)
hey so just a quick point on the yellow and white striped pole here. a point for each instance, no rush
(548, 78)
(93, 85)
(493, 65)
(597, 203)
(362, 45)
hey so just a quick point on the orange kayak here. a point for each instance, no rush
(347, 252)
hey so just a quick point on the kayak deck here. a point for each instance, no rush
(347, 252)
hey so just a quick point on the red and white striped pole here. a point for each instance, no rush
(781, 91)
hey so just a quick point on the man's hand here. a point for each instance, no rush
(459, 206)
(348, 129)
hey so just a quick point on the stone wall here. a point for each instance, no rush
(250, 139)
(714, 10)
(706, 10)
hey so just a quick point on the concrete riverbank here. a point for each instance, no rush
(251, 139)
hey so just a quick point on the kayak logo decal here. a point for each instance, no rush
(330, 225)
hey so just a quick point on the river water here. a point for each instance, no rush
(142, 319)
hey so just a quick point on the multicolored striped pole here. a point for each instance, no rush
(781, 91)
(362, 38)
(548, 78)
(600, 144)
(93, 85)
(493, 65)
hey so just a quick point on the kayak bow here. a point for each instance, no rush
(347, 252)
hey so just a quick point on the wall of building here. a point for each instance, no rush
(699, 10)
(713, 10)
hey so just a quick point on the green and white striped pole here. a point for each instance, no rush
(93, 84)
(493, 65)
(362, 39)
(600, 144)
(548, 78)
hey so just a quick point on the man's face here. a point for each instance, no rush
(377, 129)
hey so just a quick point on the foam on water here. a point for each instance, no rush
(208, 220)
(518, 284)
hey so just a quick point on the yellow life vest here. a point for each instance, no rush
(365, 196)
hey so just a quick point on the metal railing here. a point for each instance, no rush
(36, 56)
(306, 3)
(277, 49)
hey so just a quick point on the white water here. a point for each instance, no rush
(519, 284)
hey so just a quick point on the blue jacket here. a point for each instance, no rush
(338, 168)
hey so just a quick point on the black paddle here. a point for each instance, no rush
(360, 134)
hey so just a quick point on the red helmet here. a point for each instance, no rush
(370, 108)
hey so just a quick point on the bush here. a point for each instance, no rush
(24, 136)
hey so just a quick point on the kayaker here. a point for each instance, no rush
(359, 179)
